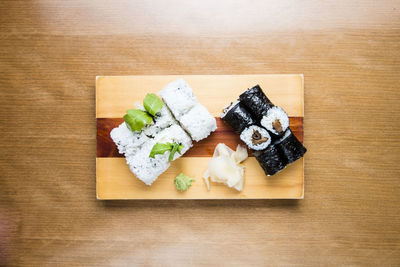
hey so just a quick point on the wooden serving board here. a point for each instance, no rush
(116, 94)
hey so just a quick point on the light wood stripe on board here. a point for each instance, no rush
(116, 94)
(115, 181)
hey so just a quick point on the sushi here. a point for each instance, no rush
(255, 137)
(150, 138)
(275, 121)
(146, 168)
(127, 142)
(291, 147)
(198, 122)
(271, 160)
(192, 116)
(179, 97)
(237, 116)
(256, 101)
(162, 120)
(264, 128)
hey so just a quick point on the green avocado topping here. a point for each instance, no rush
(136, 119)
(183, 182)
(161, 148)
(153, 104)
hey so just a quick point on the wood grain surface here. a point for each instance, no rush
(115, 181)
(50, 52)
(205, 148)
(116, 94)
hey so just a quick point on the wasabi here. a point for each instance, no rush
(183, 182)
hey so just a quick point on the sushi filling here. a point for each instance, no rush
(256, 138)
(277, 126)
(276, 120)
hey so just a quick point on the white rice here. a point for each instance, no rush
(179, 97)
(246, 136)
(127, 142)
(148, 169)
(163, 120)
(145, 168)
(180, 104)
(275, 113)
(198, 122)
(175, 134)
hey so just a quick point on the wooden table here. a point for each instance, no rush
(50, 53)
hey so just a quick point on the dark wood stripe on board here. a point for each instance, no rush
(204, 148)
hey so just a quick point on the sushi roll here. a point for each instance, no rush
(271, 160)
(264, 128)
(237, 116)
(256, 101)
(164, 132)
(175, 134)
(198, 122)
(276, 121)
(255, 137)
(291, 147)
(191, 115)
(179, 97)
(162, 120)
(146, 168)
(127, 142)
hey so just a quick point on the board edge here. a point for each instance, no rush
(98, 78)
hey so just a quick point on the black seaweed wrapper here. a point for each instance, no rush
(239, 118)
(291, 148)
(256, 101)
(271, 160)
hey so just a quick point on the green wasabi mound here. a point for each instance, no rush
(183, 182)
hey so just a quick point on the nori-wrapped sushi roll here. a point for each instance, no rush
(256, 101)
(276, 121)
(271, 160)
(291, 147)
(255, 137)
(237, 116)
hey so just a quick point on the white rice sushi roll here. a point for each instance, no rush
(162, 120)
(255, 137)
(192, 116)
(276, 120)
(175, 134)
(147, 169)
(198, 122)
(127, 142)
(181, 112)
(179, 97)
